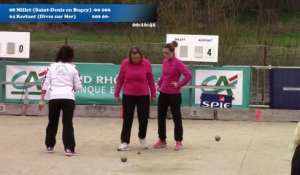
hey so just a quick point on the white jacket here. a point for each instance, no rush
(61, 81)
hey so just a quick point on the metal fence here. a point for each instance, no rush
(259, 57)
(110, 52)
(260, 86)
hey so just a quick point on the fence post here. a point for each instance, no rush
(264, 73)
(191, 83)
(3, 79)
(66, 41)
(265, 54)
(26, 100)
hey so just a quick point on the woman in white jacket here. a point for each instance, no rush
(61, 82)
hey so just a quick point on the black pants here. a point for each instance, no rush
(129, 102)
(296, 162)
(174, 101)
(55, 106)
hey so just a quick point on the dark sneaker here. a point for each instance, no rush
(50, 149)
(69, 152)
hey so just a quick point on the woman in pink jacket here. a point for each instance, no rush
(169, 86)
(137, 80)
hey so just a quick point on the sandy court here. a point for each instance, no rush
(246, 148)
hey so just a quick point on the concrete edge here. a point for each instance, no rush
(232, 114)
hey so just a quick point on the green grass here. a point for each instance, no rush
(288, 39)
(289, 17)
(245, 36)
(96, 37)
(112, 45)
(41, 36)
(135, 35)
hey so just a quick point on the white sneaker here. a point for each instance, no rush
(123, 147)
(143, 143)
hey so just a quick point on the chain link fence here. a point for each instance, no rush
(94, 52)
(259, 57)
(106, 52)
(260, 86)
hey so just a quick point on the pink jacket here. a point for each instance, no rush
(136, 79)
(172, 69)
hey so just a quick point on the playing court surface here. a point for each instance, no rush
(245, 148)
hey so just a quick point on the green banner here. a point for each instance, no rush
(99, 82)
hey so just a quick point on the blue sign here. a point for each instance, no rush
(78, 13)
(215, 101)
(281, 98)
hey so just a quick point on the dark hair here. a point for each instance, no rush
(171, 46)
(65, 54)
(134, 50)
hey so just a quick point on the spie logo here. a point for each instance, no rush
(221, 98)
(216, 101)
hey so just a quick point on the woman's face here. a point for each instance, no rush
(167, 53)
(135, 58)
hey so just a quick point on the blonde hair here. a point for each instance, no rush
(296, 141)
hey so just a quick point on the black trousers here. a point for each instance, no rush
(129, 102)
(296, 162)
(174, 101)
(55, 106)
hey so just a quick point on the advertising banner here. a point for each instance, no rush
(26, 74)
(98, 82)
(238, 77)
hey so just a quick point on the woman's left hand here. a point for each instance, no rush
(153, 99)
(175, 84)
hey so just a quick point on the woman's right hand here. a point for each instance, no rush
(117, 99)
(41, 104)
